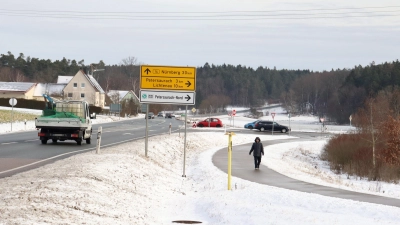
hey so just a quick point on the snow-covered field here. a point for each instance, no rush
(122, 186)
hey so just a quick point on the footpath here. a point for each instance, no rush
(244, 169)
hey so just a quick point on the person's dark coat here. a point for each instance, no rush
(257, 148)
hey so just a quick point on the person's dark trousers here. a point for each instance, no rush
(257, 161)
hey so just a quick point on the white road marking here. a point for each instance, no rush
(9, 143)
(78, 151)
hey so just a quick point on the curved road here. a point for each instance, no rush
(245, 169)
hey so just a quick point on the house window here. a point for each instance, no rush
(82, 95)
(75, 84)
(69, 95)
(82, 85)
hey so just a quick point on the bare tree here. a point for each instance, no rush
(370, 119)
(132, 69)
(114, 96)
(289, 102)
(19, 77)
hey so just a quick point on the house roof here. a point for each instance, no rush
(64, 79)
(132, 93)
(50, 89)
(94, 83)
(16, 86)
(120, 93)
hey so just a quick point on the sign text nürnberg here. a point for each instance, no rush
(168, 78)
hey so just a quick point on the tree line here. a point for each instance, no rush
(334, 95)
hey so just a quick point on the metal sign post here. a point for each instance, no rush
(12, 102)
(322, 125)
(230, 134)
(350, 119)
(184, 146)
(234, 114)
(147, 131)
(167, 85)
(193, 110)
(273, 121)
(289, 123)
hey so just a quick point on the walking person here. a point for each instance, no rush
(257, 149)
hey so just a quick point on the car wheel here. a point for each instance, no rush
(250, 127)
(262, 129)
(200, 125)
(218, 125)
(54, 140)
(283, 130)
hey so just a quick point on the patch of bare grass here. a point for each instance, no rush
(5, 116)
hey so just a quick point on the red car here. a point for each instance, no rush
(215, 122)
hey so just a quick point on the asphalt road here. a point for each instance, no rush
(23, 151)
(244, 168)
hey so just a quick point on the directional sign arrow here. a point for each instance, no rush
(188, 84)
(147, 71)
(187, 97)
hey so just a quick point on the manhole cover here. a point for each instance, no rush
(186, 221)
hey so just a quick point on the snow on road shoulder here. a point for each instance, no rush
(122, 186)
(302, 161)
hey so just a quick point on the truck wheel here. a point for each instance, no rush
(54, 140)
(88, 140)
(44, 142)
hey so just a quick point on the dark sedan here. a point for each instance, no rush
(150, 115)
(169, 115)
(263, 125)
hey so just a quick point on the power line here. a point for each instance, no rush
(186, 19)
(201, 16)
(204, 12)
(264, 17)
(250, 15)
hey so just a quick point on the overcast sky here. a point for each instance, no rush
(179, 33)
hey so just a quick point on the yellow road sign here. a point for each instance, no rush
(187, 84)
(168, 77)
(167, 71)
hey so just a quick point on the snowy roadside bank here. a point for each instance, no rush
(121, 186)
